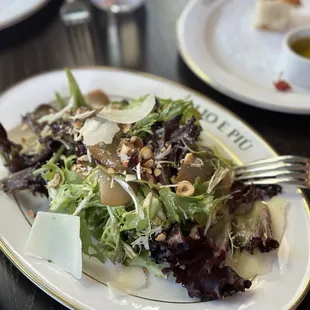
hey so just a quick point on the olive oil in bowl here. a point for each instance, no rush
(301, 46)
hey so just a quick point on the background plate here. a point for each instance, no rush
(219, 44)
(14, 11)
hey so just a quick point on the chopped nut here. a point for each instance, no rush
(55, 182)
(125, 149)
(31, 213)
(157, 172)
(83, 158)
(146, 153)
(149, 163)
(148, 170)
(125, 163)
(77, 124)
(150, 178)
(125, 127)
(173, 179)
(161, 237)
(188, 159)
(185, 188)
(137, 142)
(111, 170)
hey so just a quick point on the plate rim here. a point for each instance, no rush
(205, 77)
(22, 16)
(18, 264)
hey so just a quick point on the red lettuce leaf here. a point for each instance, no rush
(198, 265)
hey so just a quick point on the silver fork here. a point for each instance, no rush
(75, 12)
(287, 169)
(76, 16)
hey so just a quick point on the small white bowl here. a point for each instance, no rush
(293, 67)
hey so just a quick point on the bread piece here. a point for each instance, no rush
(272, 15)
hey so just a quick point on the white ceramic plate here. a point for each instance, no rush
(14, 11)
(219, 44)
(282, 288)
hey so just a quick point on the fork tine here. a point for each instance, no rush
(272, 166)
(268, 181)
(273, 174)
(286, 159)
(276, 170)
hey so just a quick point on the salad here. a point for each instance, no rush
(146, 189)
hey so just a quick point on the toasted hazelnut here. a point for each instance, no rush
(98, 96)
(185, 188)
(161, 237)
(150, 178)
(157, 172)
(111, 170)
(125, 163)
(149, 163)
(125, 149)
(137, 142)
(124, 141)
(188, 159)
(148, 170)
(55, 182)
(146, 153)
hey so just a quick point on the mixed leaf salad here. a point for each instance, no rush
(147, 191)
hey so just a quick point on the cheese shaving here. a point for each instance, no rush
(130, 116)
(96, 130)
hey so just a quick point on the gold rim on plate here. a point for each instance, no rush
(13, 258)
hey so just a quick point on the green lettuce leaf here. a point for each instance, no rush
(89, 247)
(75, 91)
(169, 108)
(180, 209)
(144, 261)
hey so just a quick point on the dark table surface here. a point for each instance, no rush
(143, 41)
